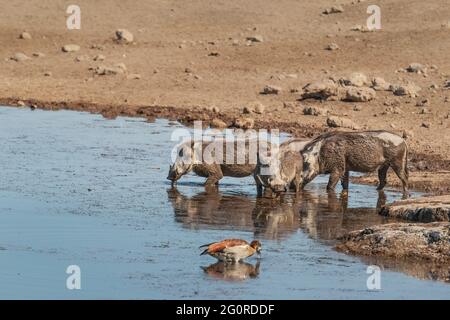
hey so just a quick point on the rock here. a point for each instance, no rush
(422, 209)
(247, 110)
(379, 84)
(38, 54)
(255, 38)
(416, 68)
(215, 109)
(99, 57)
(359, 28)
(332, 47)
(314, 111)
(71, 48)
(134, 76)
(338, 122)
(82, 58)
(19, 57)
(48, 74)
(409, 89)
(25, 36)
(429, 241)
(426, 125)
(357, 108)
(320, 90)
(446, 25)
(356, 79)
(119, 68)
(244, 123)
(334, 9)
(271, 89)
(407, 134)
(363, 94)
(259, 108)
(218, 123)
(124, 36)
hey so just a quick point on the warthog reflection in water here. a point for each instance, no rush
(323, 216)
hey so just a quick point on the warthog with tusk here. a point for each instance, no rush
(338, 153)
(281, 169)
(216, 159)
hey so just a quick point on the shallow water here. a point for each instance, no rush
(77, 189)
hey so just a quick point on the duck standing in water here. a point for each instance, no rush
(232, 250)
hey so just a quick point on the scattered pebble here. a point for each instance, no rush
(25, 36)
(124, 36)
(271, 89)
(70, 48)
(19, 57)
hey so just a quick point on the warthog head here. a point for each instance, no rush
(311, 167)
(184, 155)
(270, 173)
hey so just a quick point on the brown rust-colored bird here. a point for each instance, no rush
(232, 250)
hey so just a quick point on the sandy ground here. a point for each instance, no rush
(193, 56)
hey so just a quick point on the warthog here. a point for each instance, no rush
(281, 169)
(338, 153)
(212, 159)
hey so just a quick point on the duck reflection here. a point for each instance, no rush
(232, 271)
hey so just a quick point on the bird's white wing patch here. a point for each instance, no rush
(236, 249)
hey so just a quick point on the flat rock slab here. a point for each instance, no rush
(423, 209)
(427, 242)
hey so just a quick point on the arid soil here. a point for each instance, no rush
(205, 60)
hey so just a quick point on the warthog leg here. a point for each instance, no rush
(344, 180)
(402, 174)
(382, 172)
(335, 176)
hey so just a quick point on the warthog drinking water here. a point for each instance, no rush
(216, 159)
(338, 153)
(281, 169)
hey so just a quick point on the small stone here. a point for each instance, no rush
(70, 48)
(20, 103)
(244, 123)
(255, 38)
(271, 89)
(81, 58)
(25, 36)
(356, 79)
(218, 123)
(99, 57)
(407, 134)
(337, 122)
(363, 94)
(259, 108)
(334, 9)
(314, 111)
(19, 57)
(409, 89)
(332, 46)
(215, 109)
(379, 84)
(322, 90)
(48, 74)
(38, 54)
(124, 36)
(416, 68)
(425, 125)
(134, 76)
